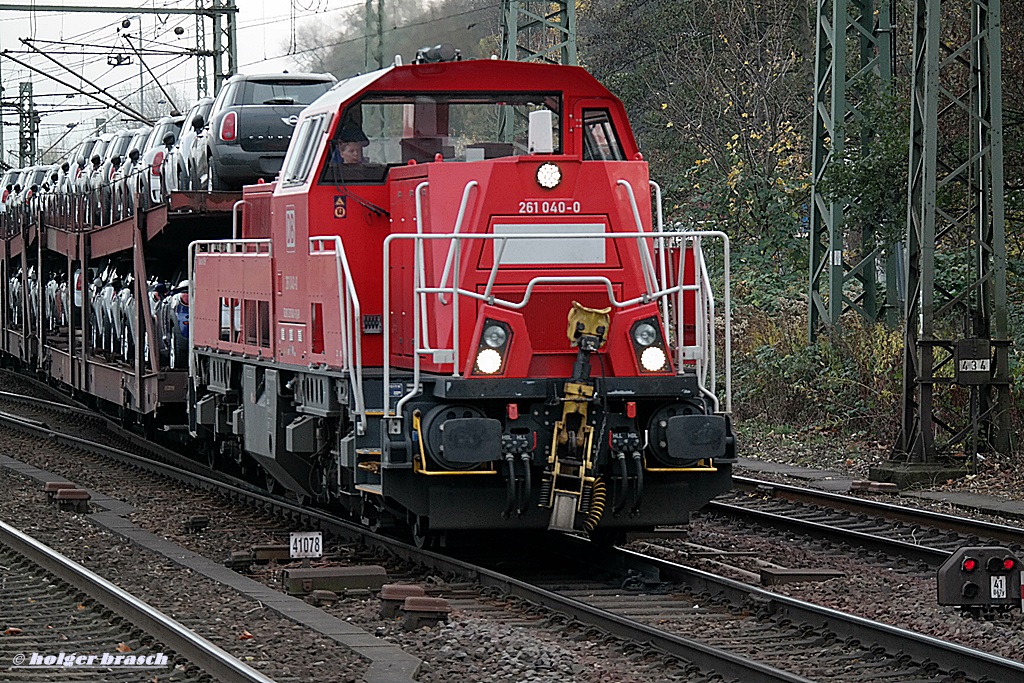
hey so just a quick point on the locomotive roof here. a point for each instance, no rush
(475, 75)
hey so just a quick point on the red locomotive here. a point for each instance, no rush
(389, 330)
(454, 309)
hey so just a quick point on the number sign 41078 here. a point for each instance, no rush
(306, 544)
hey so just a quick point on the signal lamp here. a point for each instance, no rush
(549, 176)
(495, 336)
(645, 334)
(970, 590)
(1000, 564)
(488, 361)
(969, 564)
(653, 359)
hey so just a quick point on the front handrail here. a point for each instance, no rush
(702, 351)
(650, 277)
(350, 317)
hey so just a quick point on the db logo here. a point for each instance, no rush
(340, 206)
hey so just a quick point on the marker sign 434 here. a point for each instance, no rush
(305, 544)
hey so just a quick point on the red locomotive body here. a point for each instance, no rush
(389, 330)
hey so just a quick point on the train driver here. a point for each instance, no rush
(353, 141)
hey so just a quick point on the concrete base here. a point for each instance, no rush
(905, 474)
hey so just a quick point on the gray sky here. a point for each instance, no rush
(264, 34)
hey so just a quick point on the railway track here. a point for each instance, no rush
(663, 603)
(57, 611)
(918, 535)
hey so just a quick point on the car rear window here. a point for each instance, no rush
(283, 92)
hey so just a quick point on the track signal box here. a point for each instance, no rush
(978, 577)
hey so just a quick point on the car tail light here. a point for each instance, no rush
(158, 161)
(112, 172)
(6, 194)
(183, 298)
(227, 126)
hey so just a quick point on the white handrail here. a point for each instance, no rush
(704, 304)
(350, 318)
(650, 277)
(662, 257)
(458, 228)
(234, 217)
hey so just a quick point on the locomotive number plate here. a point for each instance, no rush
(529, 206)
(302, 544)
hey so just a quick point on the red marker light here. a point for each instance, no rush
(1009, 563)
(512, 410)
(631, 409)
(969, 564)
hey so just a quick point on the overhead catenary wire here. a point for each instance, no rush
(151, 75)
(123, 107)
(115, 105)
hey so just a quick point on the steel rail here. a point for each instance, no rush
(868, 541)
(201, 652)
(949, 656)
(48, 404)
(938, 520)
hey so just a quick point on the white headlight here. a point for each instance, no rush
(488, 361)
(652, 359)
(549, 175)
(645, 334)
(495, 336)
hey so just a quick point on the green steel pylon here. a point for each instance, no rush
(539, 30)
(853, 61)
(956, 391)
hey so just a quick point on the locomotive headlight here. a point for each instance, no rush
(495, 336)
(549, 176)
(653, 359)
(645, 334)
(488, 361)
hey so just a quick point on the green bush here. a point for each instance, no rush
(849, 381)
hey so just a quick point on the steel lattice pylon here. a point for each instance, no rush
(539, 30)
(373, 56)
(843, 82)
(956, 380)
(28, 125)
(225, 41)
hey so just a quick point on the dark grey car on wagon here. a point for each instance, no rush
(250, 126)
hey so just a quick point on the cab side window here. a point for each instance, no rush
(302, 152)
(600, 142)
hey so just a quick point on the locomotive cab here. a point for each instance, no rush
(457, 308)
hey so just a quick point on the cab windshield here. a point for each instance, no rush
(395, 129)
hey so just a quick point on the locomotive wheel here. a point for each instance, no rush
(270, 482)
(421, 537)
